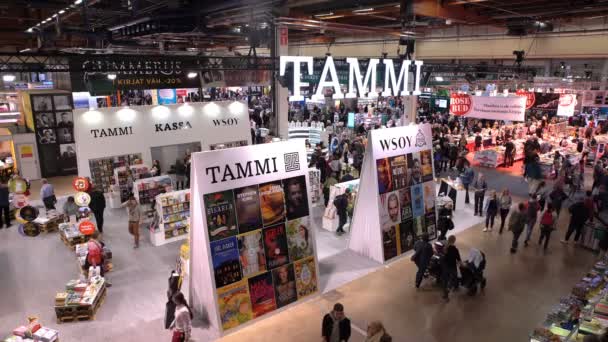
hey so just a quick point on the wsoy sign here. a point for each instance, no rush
(395, 83)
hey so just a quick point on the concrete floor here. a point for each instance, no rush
(521, 289)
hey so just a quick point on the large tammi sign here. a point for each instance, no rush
(396, 200)
(252, 241)
(396, 82)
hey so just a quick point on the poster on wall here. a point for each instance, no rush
(54, 129)
(398, 173)
(510, 108)
(567, 103)
(253, 248)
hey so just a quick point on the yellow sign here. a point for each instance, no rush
(26, 151)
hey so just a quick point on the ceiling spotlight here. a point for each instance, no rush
(77, 2)
(29, 30)
(192, 74)
(54, 15)
(8, 78)
(324, 14)
(112, 76)
(448, 22)
(439, 78)
(62, 11)
(25, 50)
(362, 10)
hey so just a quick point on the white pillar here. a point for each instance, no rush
(281, 93)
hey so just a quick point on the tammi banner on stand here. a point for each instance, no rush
(252, 240)
(396, 200)
(510, 108)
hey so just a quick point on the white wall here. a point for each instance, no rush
(139, 130)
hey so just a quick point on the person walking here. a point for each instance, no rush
(557, 198)
(341, 204)
(450, 262)
(182, 324)
(517, 223)
(335, 326)
(480, 187)
(47, 193)
(134, 213)
(541, 195)
(97, 205)
(444, 220)
(578, 216)
(491, 211)
(505, 205)
(531, 216)
(377, 333)
(548, 221)
(509, 152)
(4, 206)
(467, 178)
(423, 252)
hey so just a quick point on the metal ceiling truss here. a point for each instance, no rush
(61, 63)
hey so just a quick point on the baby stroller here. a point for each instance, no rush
(434, 268)
(472, 272)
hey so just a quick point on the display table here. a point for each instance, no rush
(147, 189)
(70, 235)
(81, 300)
(173, 211)
(584, 311)
(34, 331)
(51, 221)
(495, 155)
(330, 216)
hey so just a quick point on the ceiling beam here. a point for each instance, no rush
(433, 8)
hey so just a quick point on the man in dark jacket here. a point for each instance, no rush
(450, 262)
(509, 151)
(517, 222)
(341, 204)
(423, 252)
(336, 327)
(97, 205)
(4, 206)
(467, 178)
(579, 215)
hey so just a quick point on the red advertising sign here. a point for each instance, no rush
(86, 227)
(530, 97)
(460, 104)
(283, 36)
(81, 184)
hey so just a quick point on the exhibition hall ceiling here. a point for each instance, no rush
(195, 26)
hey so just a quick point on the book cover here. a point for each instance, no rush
(275, 246)
(389, 242)
(418, 226)
(261, 292)
(221, 221)
(299, 238)
(385, 182)
(426, 165)
(407, 236)
(272, 203)
(296, 197)
(417, 200)
(234, 305)
(398, 166)
(225, 257)
(247, 201)
(390, 211)
(251, 251)
(415, 168)
(284, 285)
(306, 277)
(429, 197)
(405, 202)
(430, 224)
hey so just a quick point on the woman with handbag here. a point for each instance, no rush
(182, 325)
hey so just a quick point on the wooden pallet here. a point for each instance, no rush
(74, 241)
(80, 313)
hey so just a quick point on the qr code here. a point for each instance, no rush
(292, 161)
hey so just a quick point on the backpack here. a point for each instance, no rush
(547, 219)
